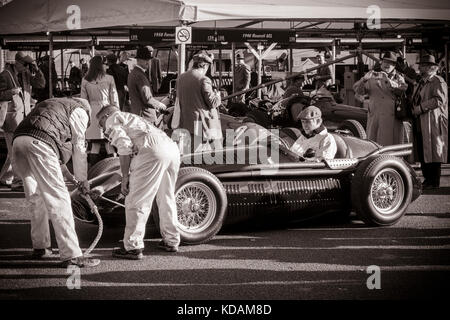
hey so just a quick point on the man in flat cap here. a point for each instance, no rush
(199, 104)
(315, 143)
(16, 82)
(142, 101)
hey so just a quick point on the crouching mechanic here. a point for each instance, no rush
(315, 143)
(149, 162)
(51, 134)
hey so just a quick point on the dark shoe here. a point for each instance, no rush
(121, 253)
(42, 253)
(167, 247)
(81, 262)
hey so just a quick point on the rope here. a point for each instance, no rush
(94, 209)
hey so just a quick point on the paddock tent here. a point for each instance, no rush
(32, 16)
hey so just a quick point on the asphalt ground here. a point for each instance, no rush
(319, 259)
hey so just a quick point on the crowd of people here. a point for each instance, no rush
(117, 108)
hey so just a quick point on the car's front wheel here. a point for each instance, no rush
(381, 190)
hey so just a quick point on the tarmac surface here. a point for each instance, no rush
(321, 259)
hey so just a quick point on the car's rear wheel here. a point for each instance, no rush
(381, 190)
(354, 128)
(103, 166)
(201, 205)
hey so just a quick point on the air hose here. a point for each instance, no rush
(94, 210)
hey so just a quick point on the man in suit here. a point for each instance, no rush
(241, 77)
(199, 104)
(120, 76)
(430, 108)
(142, 101)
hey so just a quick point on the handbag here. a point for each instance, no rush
(402, 108)
(15, 110)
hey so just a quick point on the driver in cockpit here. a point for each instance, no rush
(314, 143)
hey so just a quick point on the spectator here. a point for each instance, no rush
(16, 82)
(382, 89)
(142, 101)
(100, 90)
(199, 104)
(430, 108)
(74, 78)
(241, 77)
(42, 94)
(120, 76)
(84, 67)
(323, 76)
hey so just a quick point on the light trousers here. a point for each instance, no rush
(38, 166)
(153, 174)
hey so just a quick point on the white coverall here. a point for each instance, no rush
(153, 172)
(45, 190)
(322, 143)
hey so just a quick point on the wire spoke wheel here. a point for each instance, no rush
(387, 191)
(196, 207)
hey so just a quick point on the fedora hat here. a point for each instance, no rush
(390, 56)
(22, 57)
(428, 59)
(203, 57)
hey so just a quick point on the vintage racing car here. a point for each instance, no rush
(373, 181)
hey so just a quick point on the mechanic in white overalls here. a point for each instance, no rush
(314, 143)
(149, 162)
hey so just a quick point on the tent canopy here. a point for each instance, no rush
(37, 16)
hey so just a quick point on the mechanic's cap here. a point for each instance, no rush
(203, 57)
(311, 112)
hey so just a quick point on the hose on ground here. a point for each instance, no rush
(94, 209)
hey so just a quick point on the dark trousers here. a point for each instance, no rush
(432, 170)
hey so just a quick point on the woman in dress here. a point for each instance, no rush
(100, 90)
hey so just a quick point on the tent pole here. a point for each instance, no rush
(333, 67)
(291, 60)
(220, 67)
(2, 60)
(50, 63)
(233, 55)
(446, 61)
(260, 69)
(181, 58)
(62, 68)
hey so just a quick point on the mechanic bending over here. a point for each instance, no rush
(51, 134)
(315, 143)
(149, 162)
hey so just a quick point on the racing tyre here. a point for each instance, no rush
(354, 128)
(381, 190)
(201, 205)
(106, 165)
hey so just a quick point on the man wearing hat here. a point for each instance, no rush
(199, 104)
(241, 77)
(315, 143)
(120, 76)
(142, 101)
(382, 88)
(16, 82)
(323, 76)
(430, 108)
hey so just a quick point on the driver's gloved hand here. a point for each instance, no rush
(309, 153)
